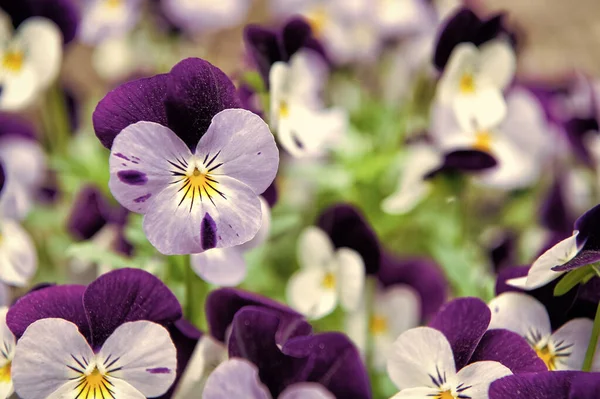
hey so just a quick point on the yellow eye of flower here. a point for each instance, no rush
(284, 110)
(328, 281)
(547, 356)
(483, 141)
(378, 325)
(94, 385)
(445, 395)
(467, 84)
(113, 3)
(13, 60)
(5, 372)
(317, 19)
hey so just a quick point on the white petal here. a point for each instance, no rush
(147, 356)
(351, 275)
(417, 393)
(113, 59)
(43, 42)
(497, 63)
(308, 294)
(8, 342)
(235, 378)
(520, 313)
(18, 258)
(263, 232)
(19, 89)
(541, 272)
(575, 337)
(483, 109)
(307, 75)
(479, 376)
(406, 199)
(463, 60)
(42, 355)
(220, 266)
(401, 306)
(306, 390)
(315, 249)
(278, 75)
(416, 355)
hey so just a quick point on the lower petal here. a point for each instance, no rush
(417, 393)
(220, 266)
(306, 390)
(481, 110)
(307, 294)
(235, 378)
(478, 377)
(18, 89)
(520, 313)
(574, 338)
(351, 274)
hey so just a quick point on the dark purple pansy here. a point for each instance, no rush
(112, 299)
(465, 27)
(329, 359)
(14, 125)
(547, 385)
(64, 13)
(422, 274)
(184, 100)
(223, 304)
(588, 241)
(554, 213)
(347, 227)
(266, 46)
(503, 251)
(467, 160)
(465, 321)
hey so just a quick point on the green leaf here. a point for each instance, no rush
(572, 278)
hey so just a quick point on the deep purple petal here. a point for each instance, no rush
(585, 386)
(11, 124)
(464, 27)
(252, 337)
(263, 48)
(577, 129)
(64, 13)
(463, 321)
(588, 239)
(196, 91)
(127, 295)
(554, 213)
(139, 100)
(223, 304)
(468, 160)
(335, 363)
(503, 252)
(271, 194)
(347, 227)
(297, 34)
(510, 349)
(422, 274)
(88, 214)
(558, 307)
(2, 177)
(545, 385)
(64, 301)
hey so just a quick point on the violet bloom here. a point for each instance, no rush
(456, 356)
(186, 159)
(579, 250)
(563, 349)
(105, 19)
(547, 385)
(106, 339)
(199, 16)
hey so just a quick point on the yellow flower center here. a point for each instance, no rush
(317, 19)
(483, 141)
(284, 110)
(201, 185)
(13, 60)
(378, 325)
(113, 3)
(548, 357)
(94, 386)
(445, 395)
(467, 84)
(5, 372)
(328, 281)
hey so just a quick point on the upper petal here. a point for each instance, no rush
(520, 313)
(43, 41)
(312, 292)
(497, 62)
(127, 295)
(306, 390)
(351, 274)
(315, 249)
(245, 147)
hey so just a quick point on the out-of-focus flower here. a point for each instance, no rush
(108, 336)
(31, 60)
(326, 276)
(563, 349)
(199, 16)
(403, 18)
(6, 356)
(578, 250)
(106, 19)
(18, 257)
(185, 159)
(547, 385)
(239, 378)
(113, 59)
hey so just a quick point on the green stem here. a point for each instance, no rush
(196, 291)
(591, 350)
(56, 120)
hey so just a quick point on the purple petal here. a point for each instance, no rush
(545, 385)
(558, 307)
(510, 349)
(465, 161)
(253, 333)
(88, 214)
(588, 239)
(464, 27)
(196, 92)
(554, 214)
(127, 295)
(463, 321)
(263, 48)
(64, 301)
(11, 124)
(222, 305)
(577, 129)
(64, 13)
(139, 100)
(422, 274)
(503, 252)
(347, 227)
(271, 194)
(297, 34)
(335, 363)
(585, 386)
(2, 177)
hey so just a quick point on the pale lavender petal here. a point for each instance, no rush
(307, 390)
(220, 266)
(235, 378)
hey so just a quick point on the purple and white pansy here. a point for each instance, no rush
(107, 19)
(188, 160)
(200, 16)
(105, 340)
(7, 352)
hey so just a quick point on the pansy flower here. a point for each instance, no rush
(226, 266)
(18, 256)
(547, 385)
(186, 158)
(578, 250)
(6, 355)
(106, 19)
(403, 18)
(31, 59)
(201, 16)
(104, 340)
(563, 349)
(456, 356)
